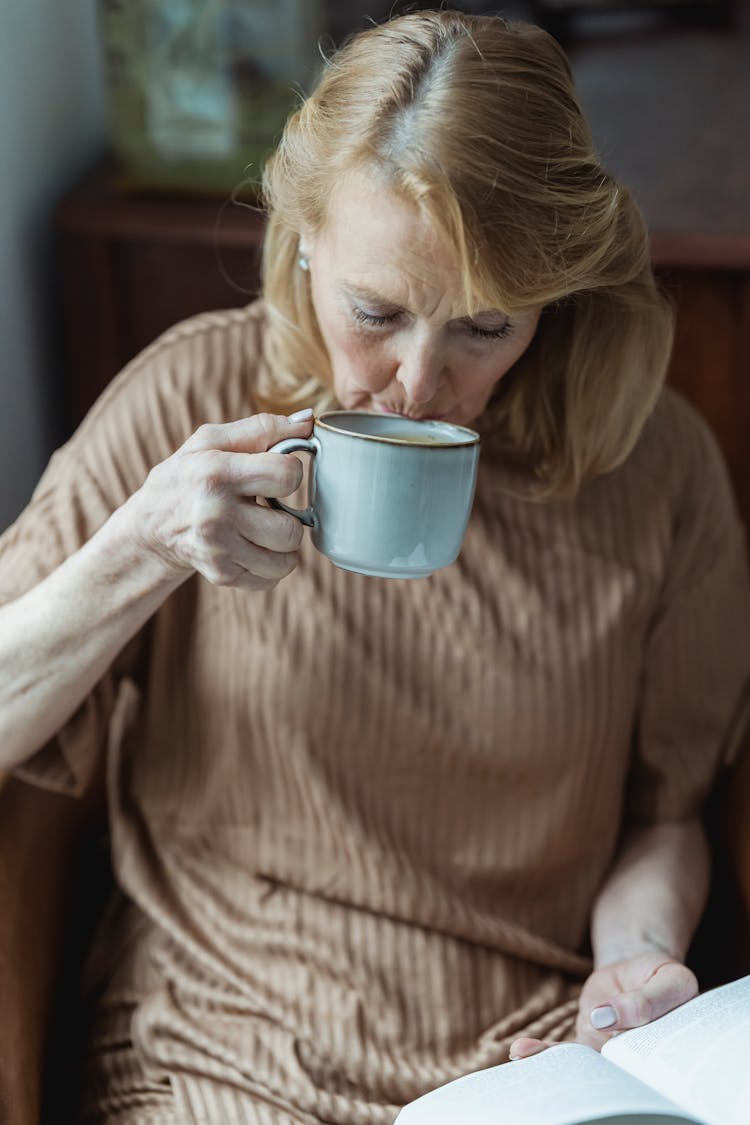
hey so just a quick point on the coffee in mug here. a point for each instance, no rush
(389, 496)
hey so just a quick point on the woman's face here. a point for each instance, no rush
(389, 300)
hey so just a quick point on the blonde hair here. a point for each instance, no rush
(476, 120)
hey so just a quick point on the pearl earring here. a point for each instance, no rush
(303, 261)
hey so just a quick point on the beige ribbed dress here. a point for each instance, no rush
(358, 824)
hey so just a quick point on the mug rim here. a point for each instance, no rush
(472, 437)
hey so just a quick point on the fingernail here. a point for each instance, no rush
(603, 1017)
(301, 415)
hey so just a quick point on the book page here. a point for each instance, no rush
(565, 1085)
(698, 1055)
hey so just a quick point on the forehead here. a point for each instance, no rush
(366, 202)
(376, 238)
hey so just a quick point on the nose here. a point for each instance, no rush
(421, 369)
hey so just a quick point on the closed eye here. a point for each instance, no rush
(372, 319)
(375, 320)
(501, 333)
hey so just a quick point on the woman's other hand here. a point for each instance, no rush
(628, 993)
(197, 510)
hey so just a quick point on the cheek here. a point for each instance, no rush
(480, 375)
(491, 368)
(486, 372)
(357, 364)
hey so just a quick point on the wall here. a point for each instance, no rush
(51, 129)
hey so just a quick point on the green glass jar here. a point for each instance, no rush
(199, 90)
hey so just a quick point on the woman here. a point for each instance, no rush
(371, 835)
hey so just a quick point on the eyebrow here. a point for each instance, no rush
(380, 299)
(368, 295)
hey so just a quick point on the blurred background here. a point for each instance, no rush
(127, 125)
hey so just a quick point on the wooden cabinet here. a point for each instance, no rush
(132, 266)
(711, 359)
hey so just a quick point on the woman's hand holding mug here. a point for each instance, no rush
(197, 510)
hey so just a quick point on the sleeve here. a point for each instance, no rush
(68, 506)
(146, 413)
(694, 699)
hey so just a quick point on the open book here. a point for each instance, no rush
(691, 1067)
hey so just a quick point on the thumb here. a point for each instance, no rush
(670, 985)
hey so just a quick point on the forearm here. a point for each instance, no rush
(655, 893)
(194, 512)
(57, 640)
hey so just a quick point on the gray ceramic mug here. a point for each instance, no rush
(389, 496)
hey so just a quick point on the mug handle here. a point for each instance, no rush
(295, 445)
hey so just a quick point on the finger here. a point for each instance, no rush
(586, 1034)
(276, 531)
(670, 985)
(250, 474)
(271, 566)
(524, 1048)
(246, 581)
(225, 557)
(250, 435)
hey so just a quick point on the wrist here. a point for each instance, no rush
(629, 948)
(654, 895)
(138, 530)
(127, 543)
(652, 922)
